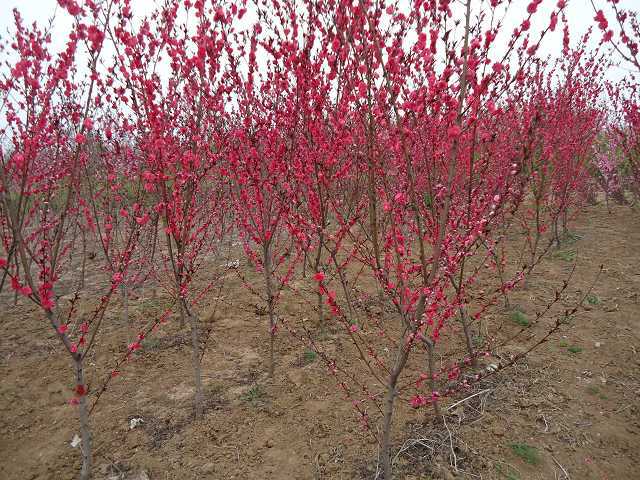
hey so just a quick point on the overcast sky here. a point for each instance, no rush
(579, 13)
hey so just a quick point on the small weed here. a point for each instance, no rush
(309, 356)
(566, 255)
(520, 318)
(254, 395)
(574, 349)
(527, 453)
(593, 390)
(150, 343)
(215, 390)
(571, 237)
(593, 299)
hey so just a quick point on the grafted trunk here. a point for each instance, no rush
(83, 416)
(195, 359)
(467, 335)
(125, 303)
(389, 400)
(84, 261)
(268, 281)
(197, 369)
(316, 268)
(431, 366)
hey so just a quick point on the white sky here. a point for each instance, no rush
(579, 13)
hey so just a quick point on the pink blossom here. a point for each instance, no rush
(219, 15)
(143, 219)
(418, 401)
(453, 132)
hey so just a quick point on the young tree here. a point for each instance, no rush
(421, 133)
(261, 157)
(48, 101)
(182, 126)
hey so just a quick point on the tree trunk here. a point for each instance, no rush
(389, 400)
(320, 310)
(15, 293)
(304, 264)
(182, 314)
(467, 336)
(195, 361)
(268, 281)
(432, 381)
(85, 433)
(84, 260)
(316, 268)
(125, 303)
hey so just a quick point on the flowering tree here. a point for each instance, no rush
(569, 120)
(390, 146)
(48, 105)
(182, 130)
(263, 146)
(420, 136)
(624, 144)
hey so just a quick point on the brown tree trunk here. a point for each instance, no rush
(389, 400)
(467, 335)
(316, 268)
(268, 281)
(195, 359)
(85, 433)
(431, 365)
(125, 303)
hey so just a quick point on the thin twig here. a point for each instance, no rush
(453, 453)
(566, 474)
(622, 409)
(469, 397)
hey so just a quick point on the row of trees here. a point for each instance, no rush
(618, 152)
(387, 149)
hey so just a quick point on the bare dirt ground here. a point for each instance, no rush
(571, 410)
